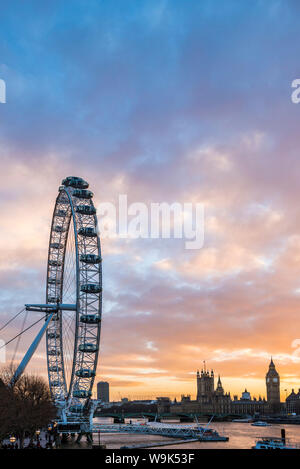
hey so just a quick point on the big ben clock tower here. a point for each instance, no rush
(273, 387)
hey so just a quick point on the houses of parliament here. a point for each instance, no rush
(211, 399)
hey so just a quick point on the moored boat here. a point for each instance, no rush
(243, 420)
(260, 424)
(270, 442)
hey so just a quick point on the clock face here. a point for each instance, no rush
(275, 380)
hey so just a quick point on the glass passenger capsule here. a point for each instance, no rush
(88, 231)
(90, 318)
(85, 373)
(86, 209)
(89, 348)
(83, 194)
(56, 245)
(53, 299)
(61, 213)
(53, 352)
(55, 263)
(91, 288)
(90, 258)
(82, 393)
(59, 229)
(63, 199)
(74, 181)
(55, 383)
(54, 281)
(53, 335)
(54, 369)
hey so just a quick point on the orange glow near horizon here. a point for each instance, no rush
(159, 101)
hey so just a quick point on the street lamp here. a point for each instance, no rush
(50, 432)
(37, 434)
(286, 407)
(12, 439)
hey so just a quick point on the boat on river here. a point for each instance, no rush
(260, 424)
(271, 442)
(248, 420)
(274, 443)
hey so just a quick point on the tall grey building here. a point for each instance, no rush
(103, 391)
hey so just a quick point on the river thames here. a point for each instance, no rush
(241, 436)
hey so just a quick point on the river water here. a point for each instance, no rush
(241, 436)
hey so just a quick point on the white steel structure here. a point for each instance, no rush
(173, 431)
(74, 276)
(73, 301)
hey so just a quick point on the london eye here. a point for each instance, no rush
(74, 280)
(73, 301)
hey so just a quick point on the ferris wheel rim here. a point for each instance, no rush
(61, 389)
(77, 301)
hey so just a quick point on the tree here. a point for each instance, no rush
(25, 406)
(6, 403)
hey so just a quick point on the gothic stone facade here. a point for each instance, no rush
(214, 400)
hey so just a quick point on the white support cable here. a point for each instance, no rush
(8, 322)
(29, 327)
(19, 338)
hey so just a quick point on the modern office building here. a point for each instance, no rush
(103, 391)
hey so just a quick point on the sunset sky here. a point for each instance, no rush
(165, 101)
